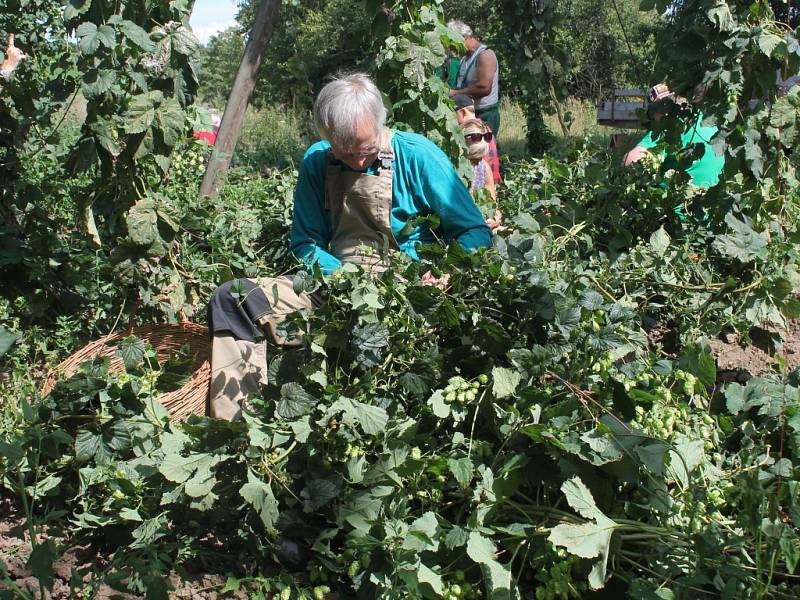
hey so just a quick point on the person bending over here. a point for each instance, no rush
(357, 190)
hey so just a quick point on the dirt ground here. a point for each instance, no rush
(769, 348)
(78, 564)
(736, 359)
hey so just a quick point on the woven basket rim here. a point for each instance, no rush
(191, 398)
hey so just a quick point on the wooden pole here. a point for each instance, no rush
(236, 106)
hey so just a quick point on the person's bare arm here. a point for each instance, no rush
(485, 67)
(489, 182)
(12, 58)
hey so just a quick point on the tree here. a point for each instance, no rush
(220, 59)
(313, 39)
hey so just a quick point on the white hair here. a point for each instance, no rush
(343, 104)
(461, 27)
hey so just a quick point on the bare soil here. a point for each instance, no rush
(76, 571)
(771, 350)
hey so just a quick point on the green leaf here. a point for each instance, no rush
(132, 351)
(231, 585)
(456, 537)
(426, 575)
(138, 36)
(106, 137)
(97, 81)
(143, 223)
(7, 340)
(41, 562)
(768, 42)
(721, 16)
(294, 401)
(259, 495)
(129, 514)
(659, 241)
(178, 469)
(591, 300)
(743, 242)
(318, 493)
(438, 405)
(700, 363)
(373, 419)
(89, 41)
(462, 470)
(735, 398)
(75, 8)
(13, 454)
(423, 534)
(480, 549)
(587, 540)
(141, 112)
(687, 456)
(171, 120)
(652, 457)
(87, 445)
(505, 382)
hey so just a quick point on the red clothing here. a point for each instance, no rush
(206, 136)
(492, 158)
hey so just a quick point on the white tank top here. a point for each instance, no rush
(468, 76)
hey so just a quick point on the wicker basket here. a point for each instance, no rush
(188, 400)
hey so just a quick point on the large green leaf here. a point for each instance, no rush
(743, 242)
(138, 36)
(97, 81)
(423, 534)
(587, 540)
(7, 340)
(461, 469)
(319, 492)
(143, 223)
(41, 560)
(141, 112)
(132, 350)
(259, 495)
(294, 401)
(505, 382)
(373, 419)
(171, 120)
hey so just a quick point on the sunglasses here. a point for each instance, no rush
(477, 137)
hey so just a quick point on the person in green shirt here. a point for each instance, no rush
(448, 72)
(705, 171)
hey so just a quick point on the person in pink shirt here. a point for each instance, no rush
(210, 137)
(465, 111)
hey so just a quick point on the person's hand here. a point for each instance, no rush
(440, 282)
(635, 155)
(13, 56)
(495, 223)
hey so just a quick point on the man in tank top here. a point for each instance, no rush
(478, 77)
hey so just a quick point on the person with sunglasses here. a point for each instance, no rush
(478, 136)
(358, 193)
(465, 111)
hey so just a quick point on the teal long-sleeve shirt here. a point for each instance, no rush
(423, 182)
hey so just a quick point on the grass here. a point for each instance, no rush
(579, 119)
(274, 137)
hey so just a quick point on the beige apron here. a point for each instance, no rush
(360, 207)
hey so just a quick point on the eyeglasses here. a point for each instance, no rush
(364, 152)
(474, 138)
